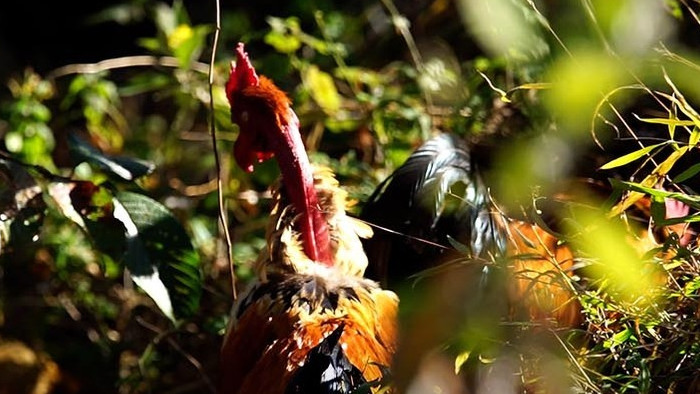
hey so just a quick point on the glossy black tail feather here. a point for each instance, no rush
(436, 193)
(327, 369)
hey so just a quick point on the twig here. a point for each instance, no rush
(547, 26)
(217, 159)
(407, 236)
(402, 25)
(575, 362)
(160, 335)
(123, 62)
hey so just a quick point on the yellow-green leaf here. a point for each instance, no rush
(618, 339)
(687, 174)
(533, 86)
(460, 360)
(694, 137)
(322, 89)
(667, 121)
(283, 43)
(630, 157)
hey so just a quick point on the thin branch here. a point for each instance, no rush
(123, 62)
(690, 10)
(407, 236)
(167, 335)
(212, 124)
(547, 26)
(403, 26)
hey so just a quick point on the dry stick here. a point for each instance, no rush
(123, 62)
(690, 9)
(167, 335)
(212, 125)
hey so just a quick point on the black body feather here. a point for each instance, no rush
(435, 195)
(326, 370)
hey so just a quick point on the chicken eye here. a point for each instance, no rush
(244, 116)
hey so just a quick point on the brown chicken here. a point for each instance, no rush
(310, 322)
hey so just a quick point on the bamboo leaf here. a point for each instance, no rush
(687, 174)
(532, 86)
(693, 201)
(694, 137)
(666, 121)
(630, 157)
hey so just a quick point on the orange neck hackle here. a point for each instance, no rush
(269, 127)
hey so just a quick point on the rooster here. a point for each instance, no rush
(309, 322)
(438, 200)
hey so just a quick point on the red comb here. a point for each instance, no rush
(242, 73)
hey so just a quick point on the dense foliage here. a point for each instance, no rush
(113, 263)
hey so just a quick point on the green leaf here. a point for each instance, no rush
(283, 43)
(691, 288)
(666, 121)
(618, 339)
(122, 167)
(187, 43)
(687, 174)
(323, 89)
(658, 210)
(630, 157)
(160, 255)
(691, 200)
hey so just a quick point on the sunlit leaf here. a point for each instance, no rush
(159, 255)
(691, 200)
(187, 43)
(691, 288)
(532, 86)
(322, 89)
(460, 360)
(666, 121)
(649, 182)
(619, 338)
(694, 137)
(682, 103)
(283, 43)
(630, 157)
